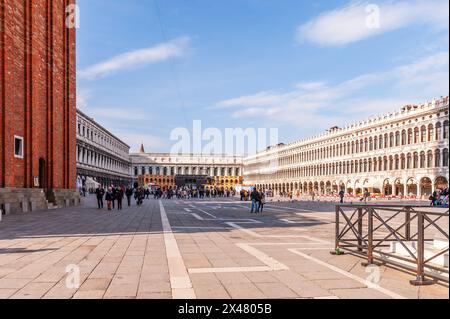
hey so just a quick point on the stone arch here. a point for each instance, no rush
(387, 187)
(399, 187)
(426, 187)
(411, 187)
(328, 189)
(322, 187)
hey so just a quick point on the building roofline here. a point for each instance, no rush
(185, 154)
(355, 125)
(102, 127)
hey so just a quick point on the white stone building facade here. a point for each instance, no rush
(403, 153)
(165, 164)
(101, 156)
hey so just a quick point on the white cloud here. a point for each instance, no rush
(359, 20)
(259, 99)
(314, 105)
(311, 86)
(172, 49)
(83, 95)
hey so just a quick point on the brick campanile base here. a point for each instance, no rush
(37, 105)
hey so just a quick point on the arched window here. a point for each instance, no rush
(445, 157)
(430, 132)
(391, 140)
(404, 137)
(445, 130)
(375, 143)
(438, 131)
(422, 159)
(402, 161)
(416, 160)
(437, 158)
(416, 135)
(386, 140)
(410, 136)
(423, 134)
(430, 159)
(397, 138)
(380, 142)
(408, 161)
(397, 162)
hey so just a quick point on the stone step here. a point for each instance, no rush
(412, 266)
(429, 251)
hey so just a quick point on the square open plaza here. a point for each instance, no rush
(357, 212)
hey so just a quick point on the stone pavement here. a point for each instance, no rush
(187, 249)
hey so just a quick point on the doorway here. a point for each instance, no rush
(42, 174)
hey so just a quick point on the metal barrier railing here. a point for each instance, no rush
(367, 229)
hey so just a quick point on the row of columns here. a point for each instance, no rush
(95, 159)
(187, 170)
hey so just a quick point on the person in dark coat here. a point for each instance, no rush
(255, 201)
(114, 191)
(128, 194)
(119, 198)
(341, 196)
(100, 192)
(109, 198)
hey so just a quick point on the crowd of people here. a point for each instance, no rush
(188, 193)
(114, 196)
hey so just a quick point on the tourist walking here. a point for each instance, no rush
(109, 198)
(341, 196)
(119, 197)
(128, 194)
(100, 192)
(113, 190)
(255, 201)
(366, 196)
(262, 201)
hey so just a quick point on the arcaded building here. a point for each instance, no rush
(37, 104)
(403, 153)
(170, 170)
(102, 157)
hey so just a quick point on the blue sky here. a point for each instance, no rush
(146, 67)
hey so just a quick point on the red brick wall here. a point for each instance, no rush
(37, 92)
